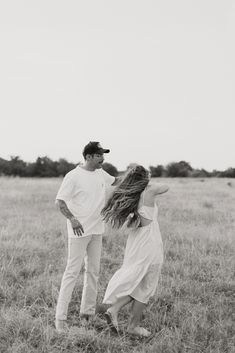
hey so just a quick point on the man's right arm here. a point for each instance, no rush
(76, 225)
(62, 206)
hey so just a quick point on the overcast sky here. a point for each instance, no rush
(154, 81)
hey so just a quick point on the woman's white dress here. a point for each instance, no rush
(138, 277)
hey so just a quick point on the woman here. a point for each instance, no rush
(133, 205)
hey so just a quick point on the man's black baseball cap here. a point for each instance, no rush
(94, 147)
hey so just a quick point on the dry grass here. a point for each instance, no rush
(192, 311)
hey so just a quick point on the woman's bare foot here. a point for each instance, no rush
(139, 331)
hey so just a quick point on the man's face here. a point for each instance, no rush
(96, 160)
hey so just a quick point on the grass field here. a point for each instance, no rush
(193, 308)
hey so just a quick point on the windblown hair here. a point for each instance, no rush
(122, 205)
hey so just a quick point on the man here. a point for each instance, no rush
(81, 198)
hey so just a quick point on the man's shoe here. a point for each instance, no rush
(61, 326)
(98, 323)
(85, 320)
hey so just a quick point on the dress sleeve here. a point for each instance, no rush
(66, 190)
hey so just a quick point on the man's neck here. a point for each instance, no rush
(88, 167)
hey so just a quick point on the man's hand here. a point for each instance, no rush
(77, 227)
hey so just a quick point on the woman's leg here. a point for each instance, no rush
(114, 309)
(136, 314)
(111, 314)
(137, 309)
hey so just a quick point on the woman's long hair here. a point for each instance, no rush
(125, 198)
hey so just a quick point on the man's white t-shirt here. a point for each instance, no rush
(84, 193)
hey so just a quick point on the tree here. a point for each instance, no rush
(16, 166)
(228, 173)
(3, 166)
(45, 167)
(200, 173)
(63, 167)
(156, 171)
(178, 169)
(109, 168)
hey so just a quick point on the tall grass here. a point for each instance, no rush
(193, 308)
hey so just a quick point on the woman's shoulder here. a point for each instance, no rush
(147, 197)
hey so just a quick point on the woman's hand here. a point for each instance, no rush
(133, 223)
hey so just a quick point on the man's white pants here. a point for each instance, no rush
(89, 249)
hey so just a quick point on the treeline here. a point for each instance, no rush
(183, 169)
(42, 167)
(45, 167)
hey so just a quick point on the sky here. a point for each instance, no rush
(154, 81)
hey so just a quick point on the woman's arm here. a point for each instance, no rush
(156, 189)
